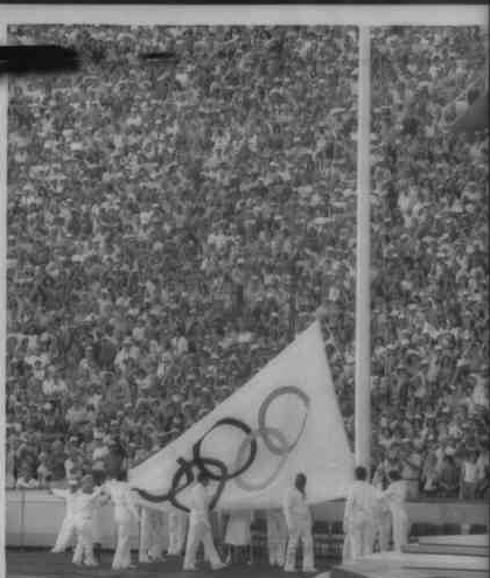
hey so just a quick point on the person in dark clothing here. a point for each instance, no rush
(116, 460)
(449, 478)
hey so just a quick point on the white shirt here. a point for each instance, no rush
(51, 386)
(122, 355)
(30, 485)
(396, 495)
(139, 333)
(362, 500)
(180, 345)
(95, 400)
(70, 498)
(199, 506)
(69, 465)
(479, 395)
(122, 499)
(126, 353)
(470, 472)
(98, 457)
(296, 510)
(84, 505)
(482, 464)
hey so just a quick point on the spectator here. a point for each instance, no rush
(44, 474)
(469, 476)
(76, 416)
(411, 468)
(10, 473)
(26, 481)
(57, 461)
(449, 477)
(216, 221)
(53, 385)
(430, 474)
(73, 463)
(116, 459)
(483, 473)
(99, 457)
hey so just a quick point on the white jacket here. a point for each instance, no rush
(85, 506)
(296, 510)
(199, 506)
(395, 495)
(362, 502)
(122, 499)
(70, 498)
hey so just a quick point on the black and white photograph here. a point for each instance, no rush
(246, 317)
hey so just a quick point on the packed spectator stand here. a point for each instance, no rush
(171, 226)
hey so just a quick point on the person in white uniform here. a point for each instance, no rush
(96, 526)
(87, 500)
(67, 530)
(124, 512)
(177, 529)
(382, 517)
(395, 495)
(238, 536)
(151, 539)
(383, 523)
(277, 537)
(360, 517)
(299, 522)
(200, 526)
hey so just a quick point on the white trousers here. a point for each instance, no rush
(65, 535)
(200, 533)
(96, 534)
(383, 526)
(122, 555)
(84, 551)
(177, 527)
(400, 528)
(145, 535)
(151, 540)
(360, 537)
(301, 532)
(277, 537)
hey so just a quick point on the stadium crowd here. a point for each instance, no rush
(173, 224)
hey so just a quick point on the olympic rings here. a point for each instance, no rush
(287, 389)
(253, 487)
(196, 450)
(185, 468)
(152, 497)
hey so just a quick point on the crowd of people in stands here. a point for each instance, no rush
(173, 224)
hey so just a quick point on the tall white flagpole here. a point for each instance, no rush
(363, 313)
(3, 274)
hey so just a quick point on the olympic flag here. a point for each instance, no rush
(285, 420)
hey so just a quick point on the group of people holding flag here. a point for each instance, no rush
(83, 502)
(289, 526)
(369, 513)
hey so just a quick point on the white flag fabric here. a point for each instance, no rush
(285, 420)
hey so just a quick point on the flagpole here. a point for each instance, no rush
(363, 345)
(3, 254)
